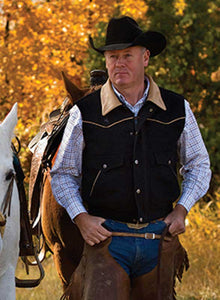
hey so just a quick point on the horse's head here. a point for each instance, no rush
(97, 79)
(6, 161)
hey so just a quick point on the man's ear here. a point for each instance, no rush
(146, 57)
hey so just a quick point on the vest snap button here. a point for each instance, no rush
(104, 166)
(169, 162)
(138, 191)
(141, 219)
(151, 110)
(136, 162)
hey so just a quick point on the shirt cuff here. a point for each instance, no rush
(186, 202)
(74, 211)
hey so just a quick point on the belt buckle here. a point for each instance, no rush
(147, 238)
(137, 225)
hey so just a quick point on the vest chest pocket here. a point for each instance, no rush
(100, 168)
(167, 160)
(164, 182)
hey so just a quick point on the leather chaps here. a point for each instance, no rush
(99, 276)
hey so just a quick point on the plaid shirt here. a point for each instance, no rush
(66, 172)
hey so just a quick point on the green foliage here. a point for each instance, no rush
(188, 62)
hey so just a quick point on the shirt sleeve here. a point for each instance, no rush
(195, 162)
(66, 172)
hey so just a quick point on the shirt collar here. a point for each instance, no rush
(140, 102)
(109, 100)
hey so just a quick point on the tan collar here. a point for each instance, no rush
(110, 101)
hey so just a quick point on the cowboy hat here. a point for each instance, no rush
(124, 32)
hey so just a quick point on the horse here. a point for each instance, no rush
(9, 209)
(46, 214)
(80, 266)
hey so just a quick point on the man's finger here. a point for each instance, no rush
(90, 243)
(104, 231)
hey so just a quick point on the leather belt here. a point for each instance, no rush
(147, 236)
(140, 225)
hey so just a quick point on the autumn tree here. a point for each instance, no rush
(38, 40)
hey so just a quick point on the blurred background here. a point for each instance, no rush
(41, 38)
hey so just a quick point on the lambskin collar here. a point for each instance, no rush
(110, 101)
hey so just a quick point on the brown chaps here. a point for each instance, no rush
(99, 276)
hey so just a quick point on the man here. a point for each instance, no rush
(120, 151)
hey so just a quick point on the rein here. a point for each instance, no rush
(6, 204)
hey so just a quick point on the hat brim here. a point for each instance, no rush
(154, 41)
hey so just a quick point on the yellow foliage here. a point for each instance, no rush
(136, 9)
(38, 40)
(180, 6)
(204, 218)
(215, 76)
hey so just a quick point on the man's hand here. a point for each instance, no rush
(91, 228)
(176, 220)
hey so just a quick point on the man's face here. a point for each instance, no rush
(126, 67)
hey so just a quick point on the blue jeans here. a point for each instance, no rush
(137, 256)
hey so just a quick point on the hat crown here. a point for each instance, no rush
(122, 30)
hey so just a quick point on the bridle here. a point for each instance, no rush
(6, 204)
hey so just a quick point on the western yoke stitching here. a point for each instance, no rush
(166, 123)
(108, 126)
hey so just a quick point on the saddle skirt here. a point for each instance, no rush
(44, 147)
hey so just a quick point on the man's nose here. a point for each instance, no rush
(120, 60)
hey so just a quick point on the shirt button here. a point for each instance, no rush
(104, 166)
(138, 191)
(151, 110)
(131, 133)
(141, 219)
(169, 162)
(136, 162)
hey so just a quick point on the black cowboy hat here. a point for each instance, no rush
(125, 32)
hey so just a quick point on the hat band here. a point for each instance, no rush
(116, 46)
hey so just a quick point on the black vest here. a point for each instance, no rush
(129, 163)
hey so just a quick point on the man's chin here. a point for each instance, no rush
(121, 82)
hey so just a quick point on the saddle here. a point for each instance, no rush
(44, 151)
(44, 146)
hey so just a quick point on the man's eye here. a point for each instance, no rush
(128, 56)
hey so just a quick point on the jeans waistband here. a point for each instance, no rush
(140, 225)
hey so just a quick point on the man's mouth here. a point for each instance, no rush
(121, 73)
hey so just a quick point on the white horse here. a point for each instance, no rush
(9, 239)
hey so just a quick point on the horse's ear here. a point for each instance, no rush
(74, 92)
(10, 121)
